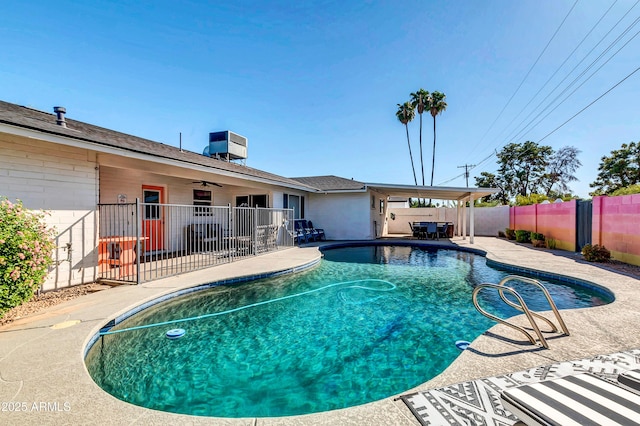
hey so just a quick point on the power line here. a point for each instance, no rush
(578, 77)
(564, 62)
(593, 102)
(527, 75)
(575, 80)
(546, 109)
(561, 125)
(514, 134)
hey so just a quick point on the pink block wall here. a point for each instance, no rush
(556, 220)
(616, 225)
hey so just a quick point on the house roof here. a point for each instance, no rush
(338, 184)
(99, 138)
(432, 192)
(332, 183)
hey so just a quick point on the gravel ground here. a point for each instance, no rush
(51, 298)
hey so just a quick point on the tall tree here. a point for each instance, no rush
(437, 105)
(562, 166)
(528, 168)
(406, 113)
(523, 166)
(489, 180)
(619, 170)
(419, 100)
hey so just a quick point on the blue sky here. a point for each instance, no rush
(314, 85)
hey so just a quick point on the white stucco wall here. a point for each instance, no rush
(488, 220)
(63, 181)
(343, 216)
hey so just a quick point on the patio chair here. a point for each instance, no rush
(299, 234)
(300, 226)
(581, 399)
(432, 230)
(442, 231)
(415, 229)
(320, 231)
(313, 232)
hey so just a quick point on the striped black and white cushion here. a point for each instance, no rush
(582, 399)
(630, 378)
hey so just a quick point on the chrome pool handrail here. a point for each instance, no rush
(521, 306)
(538, 284)
(526, 311)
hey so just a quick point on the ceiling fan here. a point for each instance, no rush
(206, 183)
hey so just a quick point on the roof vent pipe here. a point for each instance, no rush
(60, 112)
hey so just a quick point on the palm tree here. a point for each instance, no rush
(436, 105)
(405, 114)
(419, 100)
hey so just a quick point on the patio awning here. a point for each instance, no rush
(461, 195)
(432, 192)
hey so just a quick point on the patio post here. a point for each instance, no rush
(471, 219)
(464, 220)
(138, 236)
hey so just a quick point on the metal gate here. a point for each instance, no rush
(188, 238)
(583, 223)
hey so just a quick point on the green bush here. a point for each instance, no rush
(551, 243)
(522, 200)
(537, 239)
(523, 236)
(596, 253)
(510, 233)
(536, 236)
(628, 190)
(26, 246)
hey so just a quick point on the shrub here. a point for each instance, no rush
(26, 246)
(551, 243)
(596, 253)
(536, 236)
(523, 236)
(522, 200)
(537, 239)
(510, 233)
(628, 190)
(501, 234)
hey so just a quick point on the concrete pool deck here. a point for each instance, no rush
(43, 379)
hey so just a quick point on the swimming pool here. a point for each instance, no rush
(336, 345)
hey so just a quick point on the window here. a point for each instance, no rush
(373, 202)
(259, 201)
(151, 197)
(381, 206)
(202, 197)
(252, 201)
(296, 203)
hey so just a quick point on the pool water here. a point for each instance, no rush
(391, 326)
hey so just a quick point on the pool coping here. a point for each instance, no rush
(42, 365)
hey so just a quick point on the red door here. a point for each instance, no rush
(153, 217)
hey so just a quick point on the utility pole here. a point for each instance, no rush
(466, 171)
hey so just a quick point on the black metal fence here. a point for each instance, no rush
(146, 241)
